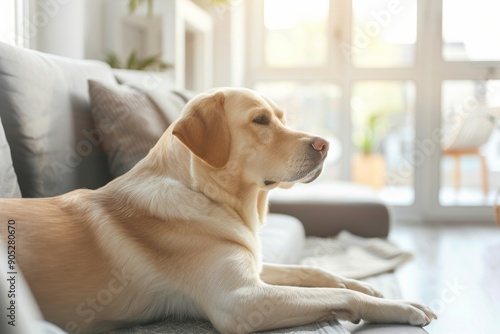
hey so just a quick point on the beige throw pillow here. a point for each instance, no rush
(128, 121)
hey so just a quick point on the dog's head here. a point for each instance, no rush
(244, 133)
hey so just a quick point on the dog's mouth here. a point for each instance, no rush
(313, 173)
(303, 177)
(312, 176)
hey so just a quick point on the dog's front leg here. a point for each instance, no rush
(265, 307)
(296, 275)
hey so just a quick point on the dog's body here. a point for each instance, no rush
(178, 234)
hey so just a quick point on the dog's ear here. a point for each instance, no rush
(204, 130)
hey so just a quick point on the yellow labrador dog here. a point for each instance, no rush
(178, 235)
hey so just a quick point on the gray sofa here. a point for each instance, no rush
(45, 112)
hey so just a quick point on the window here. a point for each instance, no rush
(383, 124)
(382, 79)
(12, 15)
(298, 37)
(470, 30)
(469, 97)
(8, 22)
(470, 162)
(383, 33)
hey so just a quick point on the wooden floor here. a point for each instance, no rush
(456, 271)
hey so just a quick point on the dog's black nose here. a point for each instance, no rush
(320, 145)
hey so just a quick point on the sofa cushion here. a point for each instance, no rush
(282, 239)
(8, 179)
(193, 326)
(159, 87)
(45, 110)
(131, 125)
(143, 98)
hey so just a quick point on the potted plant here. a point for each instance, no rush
(141, 41)
(133, 4)
(133, 62)
(368, 165)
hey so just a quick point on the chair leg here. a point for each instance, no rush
(484, 174)
(456, 172)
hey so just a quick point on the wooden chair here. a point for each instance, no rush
(467, 131)
(457, 154)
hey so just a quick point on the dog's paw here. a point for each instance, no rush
(362, 287)
(413, 313)
(398, 311)
(420, 314)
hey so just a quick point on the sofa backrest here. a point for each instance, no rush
(45, 110)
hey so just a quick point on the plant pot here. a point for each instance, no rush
(369, 169)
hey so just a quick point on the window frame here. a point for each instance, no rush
(428, 72)
(15, 31)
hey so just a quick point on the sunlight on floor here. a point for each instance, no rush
(456, 271)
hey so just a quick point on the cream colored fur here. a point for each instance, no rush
(178, 234)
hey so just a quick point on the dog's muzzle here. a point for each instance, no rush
(315, 156)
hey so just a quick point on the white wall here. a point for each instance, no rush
(58, 27)
(70, 28)
(85, 28)
(229, 43)
(95, 47)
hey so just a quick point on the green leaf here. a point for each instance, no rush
(165, 66)
(220, 2)
(150, 8)
(132, 59)
(144, 63)
(152, 63)
(113, 61)
(132, 5)
(367, 144)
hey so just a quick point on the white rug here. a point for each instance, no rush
(354, 257)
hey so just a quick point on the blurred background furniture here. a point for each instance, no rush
(465, 132)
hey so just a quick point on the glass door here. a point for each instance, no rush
(346, 71)
(290, 60)
(387, 82)
(470, 159)
(383, 96)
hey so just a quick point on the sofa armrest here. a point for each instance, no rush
(328, 208)
(369, 220)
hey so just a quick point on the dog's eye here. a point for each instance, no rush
(262, 120)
